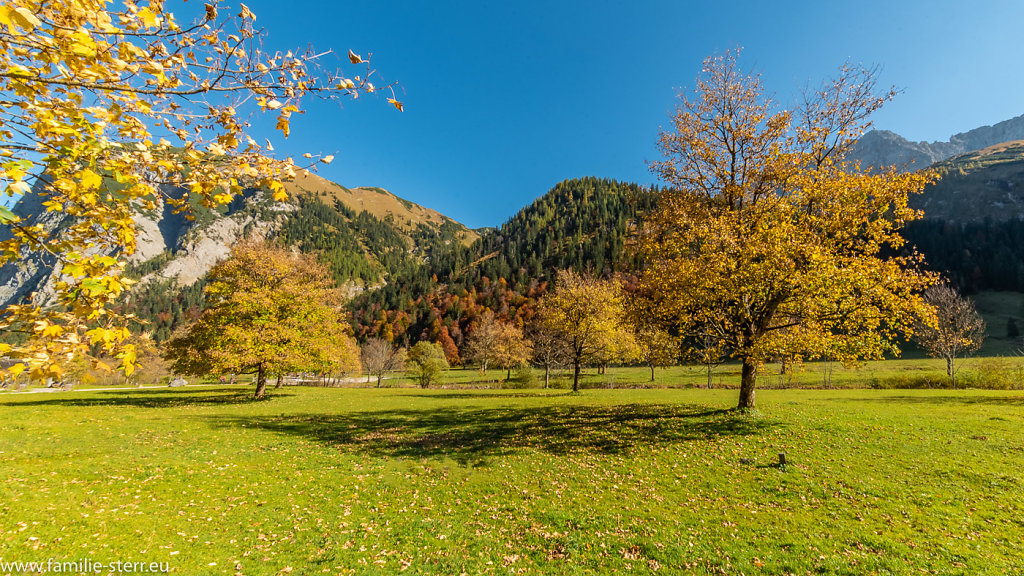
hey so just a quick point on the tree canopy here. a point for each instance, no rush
(766, 237)
(270, 311)
(428, 363)
(587, 315)
(107, 107)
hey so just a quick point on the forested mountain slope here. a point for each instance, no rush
(581, 224)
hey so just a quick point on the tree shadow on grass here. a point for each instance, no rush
(472, 435)
(952, 397)
(509, 394)
(143, 398)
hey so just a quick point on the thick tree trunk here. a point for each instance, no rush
(379, 378)
(576, 375)
(748, 379)
(508, 375)
(652, 372)
(278, 385)
(261, 382)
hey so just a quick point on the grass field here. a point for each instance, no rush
(337, 481)
(998, 372)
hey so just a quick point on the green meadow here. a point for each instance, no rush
(493, 481)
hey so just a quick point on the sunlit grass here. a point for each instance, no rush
(487, 481)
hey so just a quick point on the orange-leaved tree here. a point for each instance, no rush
(767, 237)
(269, 312)
(108, 106)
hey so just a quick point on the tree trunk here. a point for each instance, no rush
(261, 382)
(380, 376)
(547, 375)
(748, 379)
(508, 375)
(709, 376)
(949, 366)
(576, 375)
(652, 372)
(278, 385)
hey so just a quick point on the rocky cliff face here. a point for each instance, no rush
(884, 148)
(172, 247)
(193, 246)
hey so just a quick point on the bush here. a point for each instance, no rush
(993, 374)
(911, 381)
(523, 377)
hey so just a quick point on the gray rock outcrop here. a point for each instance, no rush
(885, 148)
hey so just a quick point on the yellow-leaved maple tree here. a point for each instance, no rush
(767, 238)
(105, 107)
(269, 312)
(588, 316)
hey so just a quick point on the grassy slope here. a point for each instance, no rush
(380, 203)
(978, 185)
(372, 481)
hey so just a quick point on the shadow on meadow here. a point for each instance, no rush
(953, 398)
(143, 398)
(507, 394)
(471, 435)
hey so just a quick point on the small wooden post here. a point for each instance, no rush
(782, 459)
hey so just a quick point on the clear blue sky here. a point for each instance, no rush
(505, 99)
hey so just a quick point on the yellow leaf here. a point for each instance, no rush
(355, 58)
(17, 369)
(20, 17)
(282, 125)
(89, 179)
(396, 104)
(327, 159)
(278, 191)
(19, 187)
(148, 18)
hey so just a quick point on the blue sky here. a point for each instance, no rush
(504, 100)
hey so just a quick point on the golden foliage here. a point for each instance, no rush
(766, 238)
(269, 311)
(588, 316)
(108, 105)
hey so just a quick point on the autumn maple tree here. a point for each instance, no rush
(588, 315)
(767, 238)
(112, 108)
(498, 342)
(269, 312)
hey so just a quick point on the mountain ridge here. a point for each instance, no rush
(878, 148)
